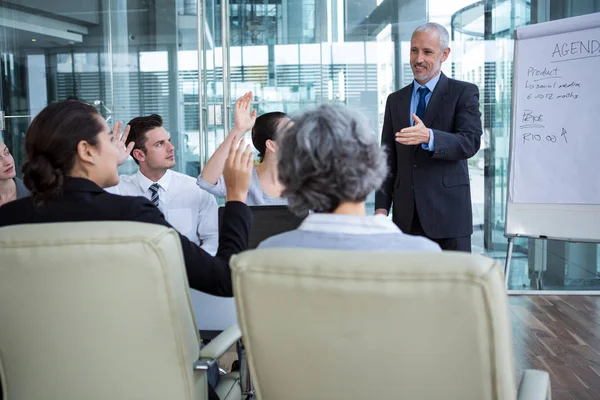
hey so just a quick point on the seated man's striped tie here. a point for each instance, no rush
(154, 194)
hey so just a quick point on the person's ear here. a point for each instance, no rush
(445, 54)
(271, 145)
(139, 155)
(87, 153)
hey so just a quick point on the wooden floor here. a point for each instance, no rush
(562, 336)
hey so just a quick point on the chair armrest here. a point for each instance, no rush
(535, 385)
(219, 345)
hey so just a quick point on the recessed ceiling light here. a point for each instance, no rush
(34, 40)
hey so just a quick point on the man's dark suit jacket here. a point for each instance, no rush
(83, 200)
(437, 182)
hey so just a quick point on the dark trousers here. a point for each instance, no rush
(456, 244)
(213, 379)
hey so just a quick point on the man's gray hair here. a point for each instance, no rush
(439, 29)
(327, 156)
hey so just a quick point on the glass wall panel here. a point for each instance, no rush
(120, 56)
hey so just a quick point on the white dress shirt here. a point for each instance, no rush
(193, 212)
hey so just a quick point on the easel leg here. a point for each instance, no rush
(509, 251)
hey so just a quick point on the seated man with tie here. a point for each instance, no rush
(189, 209)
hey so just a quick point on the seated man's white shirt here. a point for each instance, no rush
(193, 212)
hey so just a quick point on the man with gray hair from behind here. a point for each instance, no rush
(329, 160)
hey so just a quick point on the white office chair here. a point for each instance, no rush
(327, 325)
(101, 310)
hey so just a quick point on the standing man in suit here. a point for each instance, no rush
(431, 127)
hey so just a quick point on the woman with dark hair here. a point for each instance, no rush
(11, 187)
(72, 155)
(265, 188)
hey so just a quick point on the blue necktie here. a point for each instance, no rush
(154, 194)
(423, 91)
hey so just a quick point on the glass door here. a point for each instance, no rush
(215, 81)
(125, 58)
(23, 67)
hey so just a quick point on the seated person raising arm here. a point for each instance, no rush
(72, 155)
(265, 188)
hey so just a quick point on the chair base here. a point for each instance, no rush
(228, 387)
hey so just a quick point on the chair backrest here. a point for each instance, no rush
(321, 324)
(95, 310)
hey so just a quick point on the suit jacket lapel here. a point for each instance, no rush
(404, 106)
(404, 113)
(438, 98)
